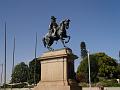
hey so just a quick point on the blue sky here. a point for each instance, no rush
(94, 21)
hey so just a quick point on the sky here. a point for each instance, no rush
(96, 22)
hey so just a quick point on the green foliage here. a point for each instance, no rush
(34, 68)
(23, 73)
(82, 72)
(108, 83)
(20, 73)
(118, 70)
(20, 85)
(101, 66)
(104, 83)
(107, 66)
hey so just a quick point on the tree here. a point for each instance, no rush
(82, 72)
(34, 68)
(118, 70)
(20, 73)
(107, 66)
(83, 50)
(101, 64)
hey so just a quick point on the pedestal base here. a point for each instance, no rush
(57, 71)
(58, 88)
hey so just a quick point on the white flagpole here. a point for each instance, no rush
(1, 73)
(35, 61)
(13, 55)
(13, 63)
(119, 58)
(89, 70)
(5, 61)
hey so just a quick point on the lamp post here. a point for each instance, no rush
(89, 69)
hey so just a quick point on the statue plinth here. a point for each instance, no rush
(57, 71)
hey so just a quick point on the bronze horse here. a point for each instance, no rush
(61, 34)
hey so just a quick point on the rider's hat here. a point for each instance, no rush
(52, 17)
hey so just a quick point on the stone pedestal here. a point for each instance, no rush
(57, 71)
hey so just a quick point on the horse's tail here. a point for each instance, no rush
(44, 41)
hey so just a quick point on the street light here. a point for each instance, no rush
(89, 69)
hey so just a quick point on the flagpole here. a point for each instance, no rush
(13, 55)
(89, 70)
(119, 58)
(5, 61)
(35, 61)
(1, 73)
(13, 63)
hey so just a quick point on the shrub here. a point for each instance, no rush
(108, 83)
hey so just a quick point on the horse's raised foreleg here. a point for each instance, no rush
(62, 42)
(68, 39)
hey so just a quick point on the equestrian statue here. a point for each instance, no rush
(56, 32)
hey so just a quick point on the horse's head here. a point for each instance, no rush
(66, 23)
